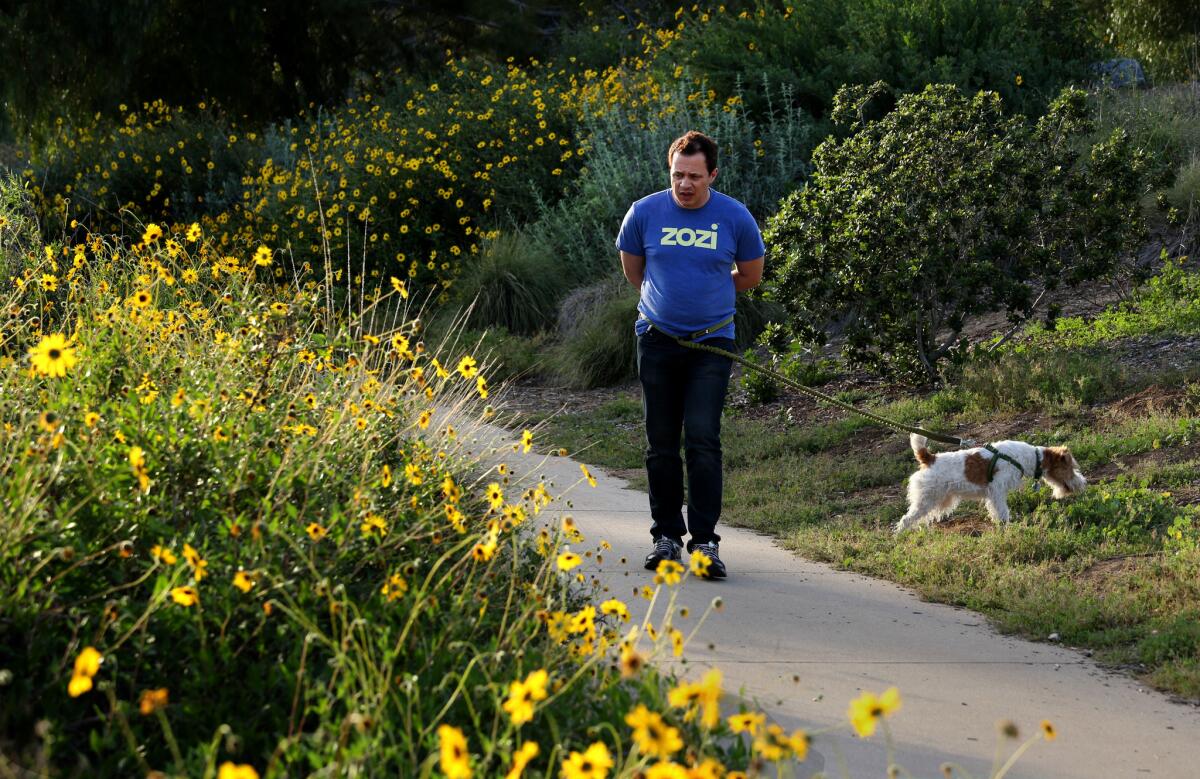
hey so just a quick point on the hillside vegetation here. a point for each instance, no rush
(255, 297)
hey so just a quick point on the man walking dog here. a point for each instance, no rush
(689, 249)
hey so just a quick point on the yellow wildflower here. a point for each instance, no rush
(747, 722)
(87, 665)
(668, 572)
(652, 735)
(185, 596)
(523, 694)
(866, 710)
(528, 751)
(152, 700)
(229, 770)
(53, 356)
(592, 764)
(455, 759)
(242, 581)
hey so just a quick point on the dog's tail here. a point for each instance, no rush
(920, 449)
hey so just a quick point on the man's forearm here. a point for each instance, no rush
(634, 268)
(747, 275)
(741, 282)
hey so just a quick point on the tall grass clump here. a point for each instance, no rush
(602, 349)
(515, 284)
(1048, 379)
(1184, 193)
(245, 533)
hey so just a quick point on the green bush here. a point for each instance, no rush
(153, 162)
(215, 481)
(759, 387)
(946, 208)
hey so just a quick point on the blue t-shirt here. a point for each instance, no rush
(689, 255)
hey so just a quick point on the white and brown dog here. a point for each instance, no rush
(986, 473)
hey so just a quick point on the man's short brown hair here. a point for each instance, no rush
(693, 142)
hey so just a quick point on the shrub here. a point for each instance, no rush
(759, 387)
(943, 209)
(1164, 34)
(151, 163)
(412, 178)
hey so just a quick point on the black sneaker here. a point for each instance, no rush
(664, 549)
(716, 568)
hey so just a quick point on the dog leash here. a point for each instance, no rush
(932, 435)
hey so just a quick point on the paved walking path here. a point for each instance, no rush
(804, 639)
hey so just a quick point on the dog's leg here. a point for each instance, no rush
(919, 505)
(997, 506)
(905, 522)
(947, 506)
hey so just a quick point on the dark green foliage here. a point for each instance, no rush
(262, 58)
(1163, 34)
(816, 46)
(945, 208)
(758, 386)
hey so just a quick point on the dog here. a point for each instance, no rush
(986, 473)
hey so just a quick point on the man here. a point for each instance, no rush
(678, 247)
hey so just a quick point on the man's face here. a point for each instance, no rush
(690, 180)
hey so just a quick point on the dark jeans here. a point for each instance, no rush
(683, 390)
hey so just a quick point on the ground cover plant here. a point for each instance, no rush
(1114, 571)
(246, 534)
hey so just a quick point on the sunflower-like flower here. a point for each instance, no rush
(867, 709)
(53, 356)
